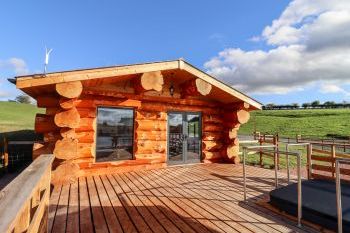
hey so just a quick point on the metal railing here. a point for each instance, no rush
(338, 161)
(276, 151)
(308, 153)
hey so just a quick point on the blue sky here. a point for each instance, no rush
(87, 34)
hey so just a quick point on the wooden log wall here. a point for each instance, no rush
(69, 125)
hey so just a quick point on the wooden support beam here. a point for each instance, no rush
(195, 87)
(44, 124)
(149, 81)
(69, 89)
(69, 118)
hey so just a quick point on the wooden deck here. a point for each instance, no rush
(195, 198)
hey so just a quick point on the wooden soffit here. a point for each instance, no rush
(38, 81)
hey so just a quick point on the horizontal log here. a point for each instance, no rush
(68, 118)
(146, 147)
(232, 151)
(241, 116)
(52, 111)
(148, 106)
(66, 172)
(212, 118)
(212, 155)
(87, 112)
(95, 101)
(47, 102)
(213, 127)
(44, 124)
(150, 125)
(68, 133)
(212, 145)
(52, 136)
(69, 89)
(86, 124)
(108, 96)
(85, 137)
(149, 81)
(236, 106)
(144, 115)
(150, 135)
(85, 150)
(66, 103)
(212, 136)
(66, 149)
(233, 133)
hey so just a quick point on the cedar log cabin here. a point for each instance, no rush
(161, 113)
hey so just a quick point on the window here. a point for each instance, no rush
(115, 131)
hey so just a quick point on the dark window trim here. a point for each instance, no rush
(133, 130)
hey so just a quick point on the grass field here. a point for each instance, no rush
(17, 120)
(316, 122)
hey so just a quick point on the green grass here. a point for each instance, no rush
(316, 122)
(17, 120)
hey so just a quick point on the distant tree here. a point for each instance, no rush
(295, 105)
(23, 98)
(315, 103)
(306, 105)
(270, 106)
(329, 103)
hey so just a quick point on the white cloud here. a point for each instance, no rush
(329, 88)
(16, 65)
(310, 43)
(9, 68)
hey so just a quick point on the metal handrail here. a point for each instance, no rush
(276, 151)
(338, 191)
(309, 152)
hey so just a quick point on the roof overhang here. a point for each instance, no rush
(38, 80)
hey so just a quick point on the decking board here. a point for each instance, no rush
(197, 198)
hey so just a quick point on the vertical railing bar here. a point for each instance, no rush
(276, 168)
(287, 163)
(244, 175)
(299, 190)
(338, 194)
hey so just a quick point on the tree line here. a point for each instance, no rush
(313, 105)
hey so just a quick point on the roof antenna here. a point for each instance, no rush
(47, 55)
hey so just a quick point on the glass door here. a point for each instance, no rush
(184, 137)
(193, 139)
(175, 138)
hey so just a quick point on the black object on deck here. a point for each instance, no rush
(318, 202)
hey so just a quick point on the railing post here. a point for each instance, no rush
(333, 159)
(299, 190)
(260, 152)
(338, 194)
(244, 175)
(287, 163)
(309, 161)
(275, 159)
(6, 154)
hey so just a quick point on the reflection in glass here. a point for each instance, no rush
(193, 140)
(175, 122)
(114, 134)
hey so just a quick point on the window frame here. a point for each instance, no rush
(133, 133)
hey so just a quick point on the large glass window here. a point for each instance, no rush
(114, 134)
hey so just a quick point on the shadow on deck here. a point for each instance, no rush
(197, 198)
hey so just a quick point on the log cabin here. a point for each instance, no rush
(159, 113)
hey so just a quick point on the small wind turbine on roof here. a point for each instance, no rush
(47, 56)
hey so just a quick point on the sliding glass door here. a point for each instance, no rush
(115, 131)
